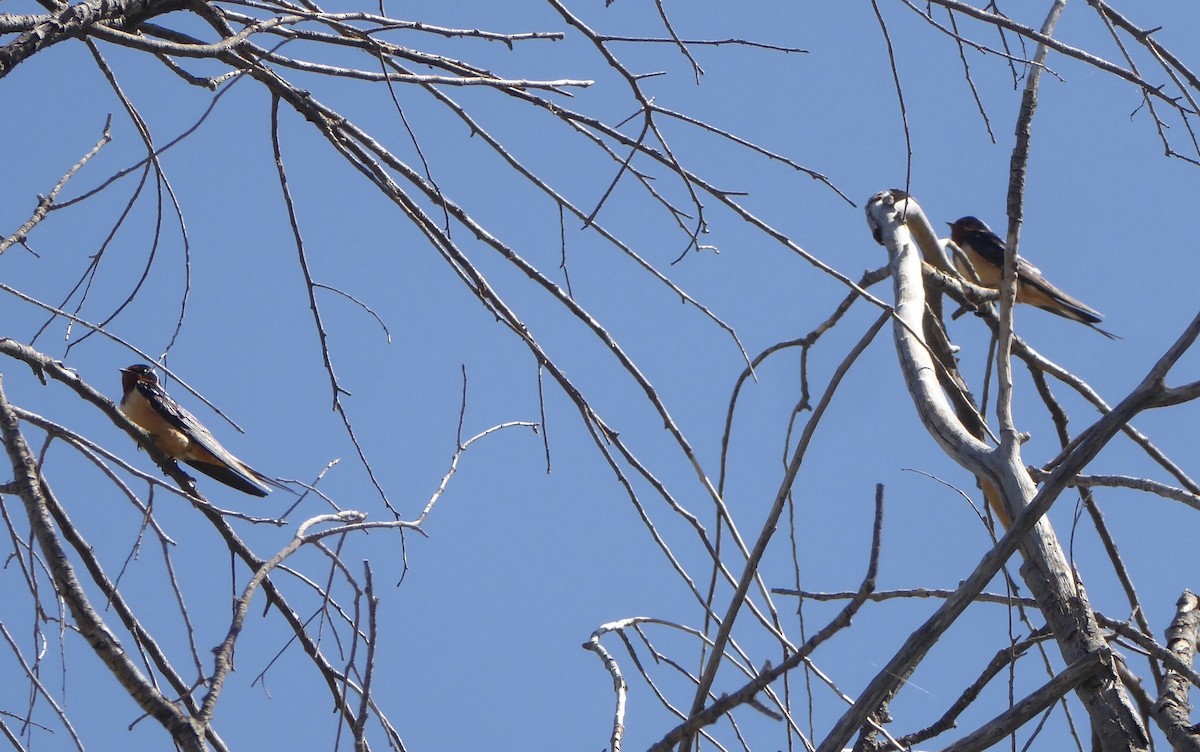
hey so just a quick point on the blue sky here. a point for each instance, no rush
(480, 646)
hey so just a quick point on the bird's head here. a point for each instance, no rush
(137, 374)
(965, 226)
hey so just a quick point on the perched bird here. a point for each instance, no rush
(985, 252)
(179, 435)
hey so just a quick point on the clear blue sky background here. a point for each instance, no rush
(480, 642)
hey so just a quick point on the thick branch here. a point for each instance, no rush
(68, 587)
(1173, 710)
(1062, 599)
(1029, 707)
(79, 20)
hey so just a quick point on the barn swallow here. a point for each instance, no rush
(179, 435)
(985, 252)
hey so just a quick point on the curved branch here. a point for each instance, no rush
(33, 491)
(1061, 597)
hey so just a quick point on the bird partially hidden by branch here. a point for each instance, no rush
(179, 435)
(982, 262)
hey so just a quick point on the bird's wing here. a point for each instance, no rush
(242, 478)
(1076, 309)
(991, 249)
(206, 453)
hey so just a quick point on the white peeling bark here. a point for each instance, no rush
(896, 220)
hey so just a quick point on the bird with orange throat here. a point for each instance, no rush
(179, 435)
(984, 251)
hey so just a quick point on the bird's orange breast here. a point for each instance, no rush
(173, 442)
(989, 274)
